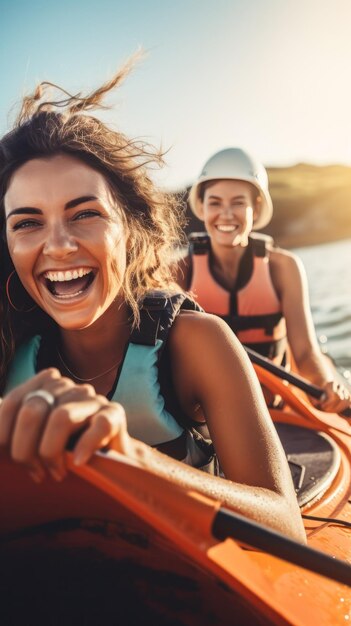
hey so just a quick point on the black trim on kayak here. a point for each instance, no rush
(328, 520)
(228, 524)
(294, 379)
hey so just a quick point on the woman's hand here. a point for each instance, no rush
(36, 427)
(336, 398)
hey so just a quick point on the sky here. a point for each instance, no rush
(271, 76)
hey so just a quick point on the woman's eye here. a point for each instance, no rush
(25, 224)
(85, 214)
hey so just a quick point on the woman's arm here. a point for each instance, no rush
(290, 280)
(211, 369)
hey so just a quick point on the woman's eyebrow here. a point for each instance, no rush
(72, 203)
(239, 197)
(29, 210)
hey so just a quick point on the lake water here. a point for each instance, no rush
(328, 268)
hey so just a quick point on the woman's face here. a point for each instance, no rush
(66, 239)
(228, 212)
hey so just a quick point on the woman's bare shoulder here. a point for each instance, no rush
(206, 358)
(284, 259)
(199, 322)
(202, 334)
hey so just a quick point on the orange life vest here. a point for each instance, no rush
(252, 309)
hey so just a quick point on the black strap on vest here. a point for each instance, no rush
(157, 313)
(199, 243)
(267, 321)
(259, 247)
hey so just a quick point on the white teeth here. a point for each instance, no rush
(71, 295)
(226, 228)
(68, 275)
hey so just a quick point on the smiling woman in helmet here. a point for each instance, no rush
(259, 290)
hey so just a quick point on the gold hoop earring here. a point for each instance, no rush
(9, 297)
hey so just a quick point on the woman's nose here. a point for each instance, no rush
(228, 209)
(59, 242)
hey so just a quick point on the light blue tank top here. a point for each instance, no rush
(138, 390)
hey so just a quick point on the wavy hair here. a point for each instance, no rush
(46, 127)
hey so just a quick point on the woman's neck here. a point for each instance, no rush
(225, 263)
(94, 354)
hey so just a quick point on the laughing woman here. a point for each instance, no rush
(260, 290)
(95, 336)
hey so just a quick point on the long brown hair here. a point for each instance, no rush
(46, 127)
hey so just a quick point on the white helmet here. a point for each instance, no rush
(235, 164)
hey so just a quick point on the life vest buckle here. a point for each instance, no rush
(155, 301)
(199, 243)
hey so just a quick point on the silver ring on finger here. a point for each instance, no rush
(45, 395)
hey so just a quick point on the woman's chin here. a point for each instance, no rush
(231, 242)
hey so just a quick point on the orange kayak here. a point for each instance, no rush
(115, 542)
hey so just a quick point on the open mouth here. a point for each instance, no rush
(227, 228)
(69, 283)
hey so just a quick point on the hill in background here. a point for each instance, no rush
(312, 204)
